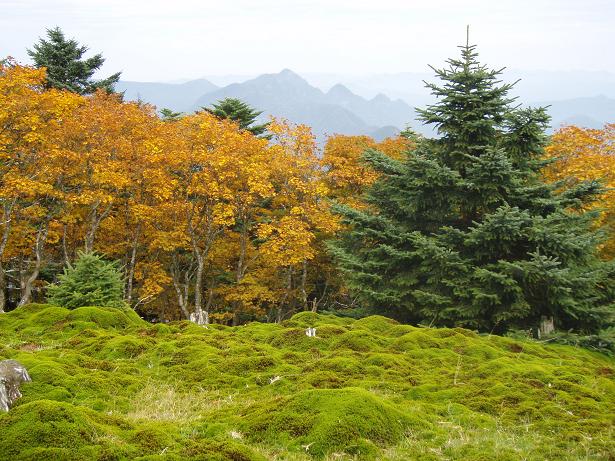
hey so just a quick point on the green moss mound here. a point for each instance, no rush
(331, 420)
(106, 317)
(107, 385)
(46, 424)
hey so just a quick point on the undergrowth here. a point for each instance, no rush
(109, 386)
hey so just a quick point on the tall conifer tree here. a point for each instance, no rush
(465, 231)
(66, 68)
(241, 113)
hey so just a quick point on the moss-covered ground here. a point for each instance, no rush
(107, 385)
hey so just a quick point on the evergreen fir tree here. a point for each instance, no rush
(66, 68)
(92, 281)
(169, 115)
(240, 112)
(465, 231)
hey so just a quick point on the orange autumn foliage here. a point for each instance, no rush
(586, 154)
(347, 176)
(207, 221)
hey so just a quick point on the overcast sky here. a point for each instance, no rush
(162, 40)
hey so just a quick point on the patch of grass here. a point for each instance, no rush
(165, 402)
(107, 386)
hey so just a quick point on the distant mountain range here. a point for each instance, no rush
(591, 112)
(287, 95)
(340, 110)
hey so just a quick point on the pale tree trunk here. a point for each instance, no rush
(181, 290)
(131, 267)
(210, 298)
(547, 325)
(200, 317)
(2, 289)
(27, 281)
(241, 262)
(286, 297)
(240, 270)
(303, 283)
(65, 246)
(7, 208)
(182, 279)
(88, 243)
(95, 219)
(316, 301)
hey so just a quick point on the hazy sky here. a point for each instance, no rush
(159, 40)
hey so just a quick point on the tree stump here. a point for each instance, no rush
(547, 325)
(12, 374)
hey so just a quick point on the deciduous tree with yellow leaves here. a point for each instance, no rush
(207, 221)
(348, 177)
(30, 177)
(582, 154)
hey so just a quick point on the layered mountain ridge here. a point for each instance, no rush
(340, 110)
(287, 95)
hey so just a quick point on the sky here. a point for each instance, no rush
(162, 40)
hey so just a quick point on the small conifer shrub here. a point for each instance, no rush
(91, 281)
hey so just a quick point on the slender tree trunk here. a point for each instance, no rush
(7, 209)
(181, 299)
(210, 298)
(316, 302)
(91, 232)
(181, 289)
(547, 325)
(289, 287)
(241, 262)
(2, 289)
(95, 219)
(64, 246)
(199, 316)
(200, 254)
(131, 266)
(240, 271)
(27, 282)
(303, 283)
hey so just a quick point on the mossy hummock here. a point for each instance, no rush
(107, 385)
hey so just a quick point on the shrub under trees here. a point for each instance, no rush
(91, 281)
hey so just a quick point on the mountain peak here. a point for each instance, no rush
(339, 90)
(381, 98)
(289, 75)
(284, 79)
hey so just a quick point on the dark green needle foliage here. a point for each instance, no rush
(465, 231)
(240, 112)
(66, 68)
(169, 115)
(92, 281)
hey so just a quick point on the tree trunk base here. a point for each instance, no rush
(547, 325)
(200, 317)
